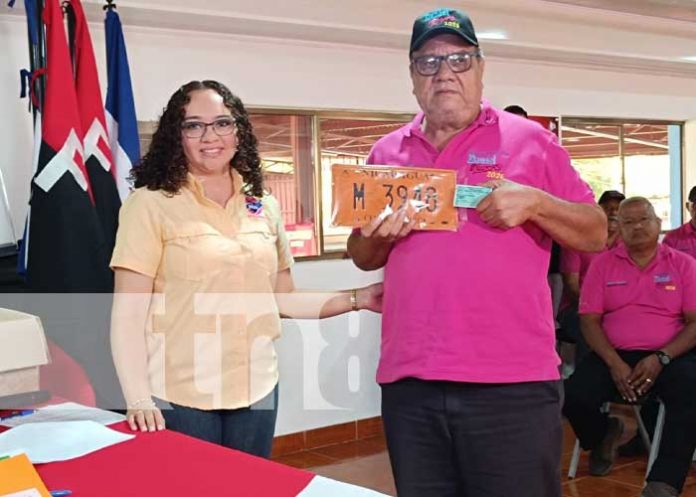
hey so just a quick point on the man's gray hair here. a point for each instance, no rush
(637, 200)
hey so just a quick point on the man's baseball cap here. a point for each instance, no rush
(611, 195)
(442, 21)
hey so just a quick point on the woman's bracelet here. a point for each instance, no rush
(146, 403)
(354, 299)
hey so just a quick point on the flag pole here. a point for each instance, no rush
(37, 53)
(69, 15)
(33, 65)
(41, 49)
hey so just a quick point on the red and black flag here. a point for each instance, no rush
(95, 139)
(66, 251)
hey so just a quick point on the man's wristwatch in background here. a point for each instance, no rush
(663, 357)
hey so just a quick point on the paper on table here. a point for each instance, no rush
(49, 442)
(69, 411)
(321, 487)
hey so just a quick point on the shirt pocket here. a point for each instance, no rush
(199, 252)
(260, 242)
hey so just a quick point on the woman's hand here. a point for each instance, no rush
(370, 297)
(145, 417)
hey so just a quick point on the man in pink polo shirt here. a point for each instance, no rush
(638, 313)
(468, 368)
(684, 240)
(684, 237)
(574, 265)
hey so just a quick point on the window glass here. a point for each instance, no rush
(345, 141)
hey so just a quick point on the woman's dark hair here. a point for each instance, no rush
(164, 165)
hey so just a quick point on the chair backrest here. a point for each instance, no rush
(65, 378)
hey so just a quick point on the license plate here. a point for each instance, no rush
(361, 193)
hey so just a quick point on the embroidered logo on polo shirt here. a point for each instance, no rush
(254, 205)
(486, 163)
(671, 288)
(617, 283)
(484, 159)
(480, 168)
(663, 278)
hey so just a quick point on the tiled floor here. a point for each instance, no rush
(366, 463)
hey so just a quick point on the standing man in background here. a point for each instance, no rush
(468, 369)
(684, 237)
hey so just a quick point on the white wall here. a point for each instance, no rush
(327, 368)
(16, 139)
(277, 73)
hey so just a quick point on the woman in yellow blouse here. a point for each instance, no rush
(202, 271)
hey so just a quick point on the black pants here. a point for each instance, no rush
(591, 385)
(473, 440)
(569, 320)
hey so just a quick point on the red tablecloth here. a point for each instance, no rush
(169, 464)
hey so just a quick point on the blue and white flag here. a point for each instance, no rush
(120, 106)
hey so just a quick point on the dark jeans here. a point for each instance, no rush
(449, 439)
(247, 429)
(648, 414)
(591, 385)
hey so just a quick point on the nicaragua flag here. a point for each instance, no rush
(65, 250)
(122, 124)
(95, 140)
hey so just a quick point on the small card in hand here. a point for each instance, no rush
(468, 196)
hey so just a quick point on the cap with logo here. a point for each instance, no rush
(442, 21)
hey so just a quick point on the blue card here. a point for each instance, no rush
(467, 196)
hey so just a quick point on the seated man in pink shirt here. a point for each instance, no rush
(468, 368)
(638, 312)
(684, 237)
(574, 266)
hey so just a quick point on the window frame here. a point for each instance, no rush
(317, 116)
(620, 122)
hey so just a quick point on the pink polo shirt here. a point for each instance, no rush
(577, 261)
(642, 309)
(682, 239)
(474, 305)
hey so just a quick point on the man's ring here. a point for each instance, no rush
(648, 380)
